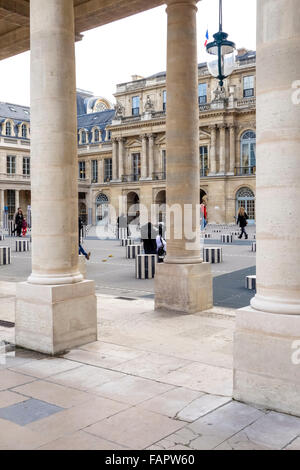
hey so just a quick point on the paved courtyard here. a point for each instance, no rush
(154, 380)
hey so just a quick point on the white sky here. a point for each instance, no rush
(136, 45)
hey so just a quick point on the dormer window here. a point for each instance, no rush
(8, 128)
(96, 135)
(24, 131)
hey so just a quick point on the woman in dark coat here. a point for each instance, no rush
(242, 222)
(19, 218)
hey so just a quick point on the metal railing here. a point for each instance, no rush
(245, 170)
(130, 178)
(159, 176)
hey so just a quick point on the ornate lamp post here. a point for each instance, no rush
(222, 61)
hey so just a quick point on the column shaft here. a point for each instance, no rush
(151, 156)
(114, 159)
(121, 158)
(213, 140)
(222, 150)
(17, 199)
(144, 158)
(232, 150)
(53, 160)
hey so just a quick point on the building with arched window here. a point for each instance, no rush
(122, 149)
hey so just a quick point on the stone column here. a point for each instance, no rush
(2, 202)
(121, 158)
(151, 156)
(17, 199)
(212, 156)
(144, 158)
(267, 339)
(222, 128)
(55, 310)
(232, 150)
(114, 159)
(183, 283)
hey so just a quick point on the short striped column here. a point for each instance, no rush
(226, 238)
(123, 233)
(250, 282)
(4, 255)
(2, 237)
(212, 255)
(22, 245)
(127, 241)
(132, 251)
(145, 266)
(11, 228)
(253, 246)
(207, 235)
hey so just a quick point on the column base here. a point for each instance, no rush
(53, 319)
(267, 360)
(185, 288)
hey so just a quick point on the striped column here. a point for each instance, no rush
(5, 257)
(122, 233)
(127, 241)
(212, 255)
(253, 246)
(207, 235)
(2, 237)
(22, 245)
(226, 238)
(250, 282)
(132, 251)
(145, 266)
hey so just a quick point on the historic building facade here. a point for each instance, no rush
(122, 150)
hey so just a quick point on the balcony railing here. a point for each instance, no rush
(245, 170)
(159, 176)
(130, 178)
(14, 176)
(203, 172)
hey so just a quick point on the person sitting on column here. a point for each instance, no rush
(161, 245)
(148, 237)
(242, 222)
(18, 222)
(81, 250)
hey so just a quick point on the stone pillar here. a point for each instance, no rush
(151, 156)
(212, 154)
(2, 205)
(121, 158)
(144, 158)
(17, 199)
(222, 128)
(114, 159)
(183, 283)
(267, 338)
(232, 150)
(55, 309)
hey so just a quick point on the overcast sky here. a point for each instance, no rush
(134, 46)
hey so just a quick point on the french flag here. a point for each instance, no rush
(207, 38)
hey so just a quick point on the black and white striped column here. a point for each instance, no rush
(250, 282)
(5, 255)
(212, 255)
(253, 246)
(11, 228)
(123, 233)
(226, 238)
(2, 237)
(207, 235)
(127, 241)
(22, 245)
(132, 251)
(145, 266)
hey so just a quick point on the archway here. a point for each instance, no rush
(82, 212)
(245, 198)
(202, 194)
(102, 207)
(160, 200)
(133, 206)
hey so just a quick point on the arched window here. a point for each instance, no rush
(96, 135)
(8, 128)
(245, 198)
(102, 207)
(248, 153)
(24, 131)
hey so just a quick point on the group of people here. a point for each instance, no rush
(20, 224)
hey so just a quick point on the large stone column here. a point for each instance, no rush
(114, 159)
(222, 128)
(55, 309)
(183, 283)
(232, 150)
(151, 156)
(212, 152)
(144, 158)
(267, 348)
(2, 205)
(121, 157)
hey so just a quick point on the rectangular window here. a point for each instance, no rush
(107, 170)
(203, 160)
(94, 171)
(136, 166)
(11, 164)
(26, 166)
(202, 93)
(164, 100)
(135, 105)
(248, 86)
(81, 166)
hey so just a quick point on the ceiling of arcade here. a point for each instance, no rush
(15, 14)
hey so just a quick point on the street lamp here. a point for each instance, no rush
(222, 61)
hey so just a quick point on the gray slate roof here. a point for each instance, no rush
(14, 112)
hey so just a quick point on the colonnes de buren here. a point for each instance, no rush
(236, 146)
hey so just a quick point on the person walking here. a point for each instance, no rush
(81, 250)
(161, 245)
(148, 237)
(242, 222)
(19, 217)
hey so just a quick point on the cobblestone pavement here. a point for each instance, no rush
(154, 380)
